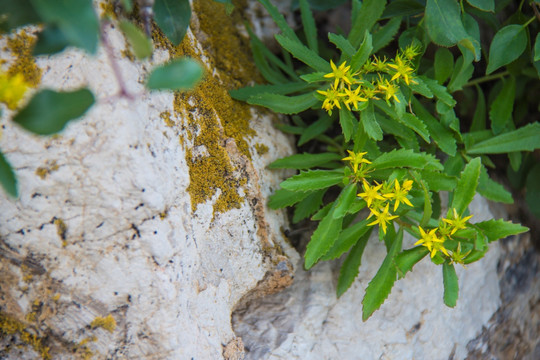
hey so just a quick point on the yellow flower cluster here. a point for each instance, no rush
(434, 239)
(378, 196)
(12, 89)
(350, 89)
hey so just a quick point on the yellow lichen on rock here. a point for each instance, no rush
(20, 46)
(108, 323)
(10, 326)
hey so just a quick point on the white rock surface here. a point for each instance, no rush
(306, 321)
(132, 247)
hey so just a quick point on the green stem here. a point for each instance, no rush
(528, 22)
(487, 78)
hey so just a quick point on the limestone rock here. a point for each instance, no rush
(149, 210)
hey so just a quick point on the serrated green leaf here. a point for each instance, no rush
(443, 22)
(499, 229)
(406, 158)
(479, 118)
(319, 215)
(284, 104)
(141, 45)
(51, 40)
(342, 44)
(502, 107)
(283, 198)
(522, 139)
(304, 161)
(466, 186)
(7, 177)
(380, 286)
(463, 71)
(408, 258)
(440, 91)
(345, 200)
(308, 23)
(350, 268)
(49, 111)
(282, 89)
(304, 54)
(451, 285)
(315, 129)
(76, 19)
(484, 5)
(308, 206)
(362, 54)
(322, 239)
(507, 45)
(349, 237)
(444, 138)
(437, 181)
(369, 123)
(421, 88)
(386, 34)
(492, 190)
(313, 180)
(279, 20)
(444, 65)
(347, 121)
(179, 74)
(314, 77)
(415, 124)
(367, 16)
(402, 8)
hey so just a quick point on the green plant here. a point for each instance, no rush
(384, 130)
(75, 23)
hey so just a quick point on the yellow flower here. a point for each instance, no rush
(370, 92)
(383, 217)
(356, 159)
(353, 97)
(12, 89)
(458, 257)
(332, 98)
(411, 51)
(402, 68)
(399, 194)
(340, 73)
(370, 193)
(431, 241)
(457, 222)
(390, 89)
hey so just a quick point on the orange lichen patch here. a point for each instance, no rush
(211, 115)
(20, 46)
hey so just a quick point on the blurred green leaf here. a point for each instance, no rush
(345, 200)
(463, 71)
(280, 21)
(466, 186)
(304, 161)
(362, 55)
(179, 74)
(342, 44)
(415, 124)
(350, 268)
(315, 129)
(368, 121)
(313, 180)
(284, 104)
(479, 118)
(406, 158)
(368, 14)
(522, 139)
(443, 22)
(50, 40)
(347, 121)
(76, 19)
(309, 205)
(386, 34)
(380, 286)
(444, 65)
(16, 13)
(533, 190)
(172, 17)
(49, 111)
(501, 109)
(484, 5)
(507, 45)
(282, 89)
(7, 177)
(128, 5)
(537, 48)
(492, 190)
(348, 237)
(308, 23)
(141, 45)
(437, 181)
(451, 286)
